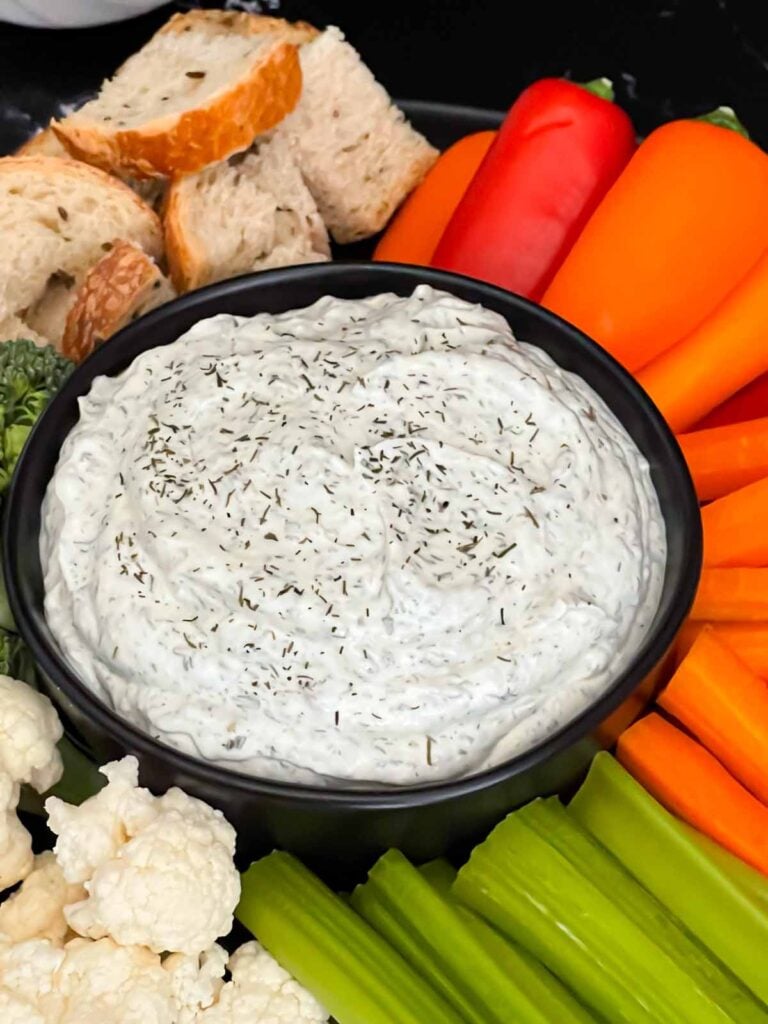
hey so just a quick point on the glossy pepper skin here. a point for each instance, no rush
(751, 403)
(558, 152)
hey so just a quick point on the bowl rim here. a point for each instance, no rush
(369, 796)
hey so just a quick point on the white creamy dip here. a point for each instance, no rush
(375, 540)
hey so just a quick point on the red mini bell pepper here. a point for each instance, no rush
(751, 403)
(558, 152)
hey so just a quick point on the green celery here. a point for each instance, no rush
(721, 900)
(551, 821)
(524, 885)
(431, 933)
(332, 951)
(543, 989)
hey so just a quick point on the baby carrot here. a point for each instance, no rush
(748, 639)
(723, 459)
(413, 235)
(715, 696)
(726, 351)
(693, 784)
(682, 225)
(732, 595)
(735, 531)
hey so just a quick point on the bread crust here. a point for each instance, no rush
(185, 258)
(44, 143)
(226, 123)
(112, 291)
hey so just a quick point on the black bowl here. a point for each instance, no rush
(338, 831)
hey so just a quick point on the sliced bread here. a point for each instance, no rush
(46, 143)
(13, 327)
(122, 286)
(359, 155)
(57, 218)
(249, 213)
(201, 89)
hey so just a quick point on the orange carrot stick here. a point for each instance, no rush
(723, 459)
(726, 351)
(682, 225)
(732, 595)
(693, 784)
(715, 696)
(736, 527)
(413, 235)
(748, 639)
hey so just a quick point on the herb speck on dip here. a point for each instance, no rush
(375, 541)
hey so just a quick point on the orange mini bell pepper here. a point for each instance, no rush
(413, 235)
(684, 223)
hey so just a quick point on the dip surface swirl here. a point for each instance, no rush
(367, 541)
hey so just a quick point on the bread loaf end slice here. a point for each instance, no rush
(121, 287)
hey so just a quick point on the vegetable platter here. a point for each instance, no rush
(643, 897)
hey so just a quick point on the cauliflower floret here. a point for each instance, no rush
(28, 969)
(29, 732)
(16, 858)
(159, 871)
(14, 1010)
(86, 983)
(91, 834)
(196, 981)
(102, 982)
(262, 992)
(36, 910)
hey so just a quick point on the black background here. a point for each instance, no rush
(666, 57)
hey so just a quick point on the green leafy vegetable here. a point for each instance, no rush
(15, 658)
(29, 377)
(721, 900)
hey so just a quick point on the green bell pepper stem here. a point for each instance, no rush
(602, 87)
(724, 117)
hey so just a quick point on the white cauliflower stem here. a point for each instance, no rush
(16, 858)
(158, 871)
(36, 910)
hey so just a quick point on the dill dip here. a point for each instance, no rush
(376, 541)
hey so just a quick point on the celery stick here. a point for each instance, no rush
(532, 893)
(331, 951)
(370, 901)
(542, 988)
(551, 821)
(440, 874)
(432, 934)
(721, 900)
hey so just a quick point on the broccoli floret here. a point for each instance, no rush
(16, 658)
(29, 377)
